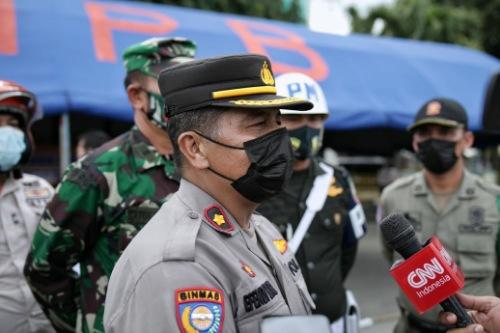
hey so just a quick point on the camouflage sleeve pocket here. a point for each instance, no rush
(135, 220)
(139, 216)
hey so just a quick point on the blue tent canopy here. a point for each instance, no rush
(69, 53)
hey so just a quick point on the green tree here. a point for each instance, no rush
(271, 9)
(472, 23)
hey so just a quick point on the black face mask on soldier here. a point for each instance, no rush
(306, 142)
(271, 162)
(437, 156)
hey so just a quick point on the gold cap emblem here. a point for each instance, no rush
(433, 109)
(266, 75)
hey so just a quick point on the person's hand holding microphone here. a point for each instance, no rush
(485, 312)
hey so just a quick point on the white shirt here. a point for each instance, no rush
(22, 202)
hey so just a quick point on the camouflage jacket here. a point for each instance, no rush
(102, 202)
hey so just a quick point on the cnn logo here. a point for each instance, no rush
(419, 277)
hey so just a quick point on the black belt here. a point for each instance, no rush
(425, 326)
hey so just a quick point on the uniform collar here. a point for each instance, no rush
(11, 185)
(419, 187)
(212, 212)
(145, 156)
(466, 190)
(315, 168)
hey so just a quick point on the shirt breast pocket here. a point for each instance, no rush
(257, 300)
(476, 254)
(327, 228)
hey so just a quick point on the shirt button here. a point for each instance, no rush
(16, 222)
(307, 235)
(192, 215)
(302, 205)
(314, 296)
(310, 265)
(327, 222)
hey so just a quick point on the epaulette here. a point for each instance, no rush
(401, 182)
(170, 235)
(487, 186)
(180, 242)
(338, 170)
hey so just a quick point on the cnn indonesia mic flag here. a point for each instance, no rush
(429, 276)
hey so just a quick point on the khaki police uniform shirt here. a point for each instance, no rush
(192, 268)
(467, 227)
(22, 202)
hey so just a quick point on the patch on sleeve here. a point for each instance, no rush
(36, 195)
(199, 310)
(358, 220)
(218, 220)
(281, 245)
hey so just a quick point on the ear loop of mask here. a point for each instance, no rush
(223, 145)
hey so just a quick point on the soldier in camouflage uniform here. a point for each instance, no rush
(105, 198)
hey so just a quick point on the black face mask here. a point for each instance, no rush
(271, 162)
(306, 142)
(437, 156)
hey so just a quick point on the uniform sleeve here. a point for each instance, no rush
(66, 228)
(496, 281)
(382, 211)
(355, 228)
(169, 297)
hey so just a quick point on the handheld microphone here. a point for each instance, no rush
(428, 276)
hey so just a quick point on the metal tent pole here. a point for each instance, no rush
(64, 142)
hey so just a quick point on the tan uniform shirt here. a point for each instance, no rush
(192, 269)
(22, 202)
(467, 227)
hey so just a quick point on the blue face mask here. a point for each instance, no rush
(12, 146)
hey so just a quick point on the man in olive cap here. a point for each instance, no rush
(105, 198)
(206, 262)
(447, 201)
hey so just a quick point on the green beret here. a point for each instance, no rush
(154, 54)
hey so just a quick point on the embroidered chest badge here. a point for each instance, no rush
(334, 190)
(281, 245)
(247, 269)
(199, 310)
(218, 219)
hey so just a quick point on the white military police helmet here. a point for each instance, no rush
(303, 86)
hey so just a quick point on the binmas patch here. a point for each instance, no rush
(199, 310)
(218, 220)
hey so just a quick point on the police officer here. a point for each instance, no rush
(22, 200)
(327, 253)
(105, 198)
(447, 201)
(205, 262)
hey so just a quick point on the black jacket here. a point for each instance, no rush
(328, 250)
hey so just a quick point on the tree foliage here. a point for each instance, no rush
(272, 9)
(472, 23)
